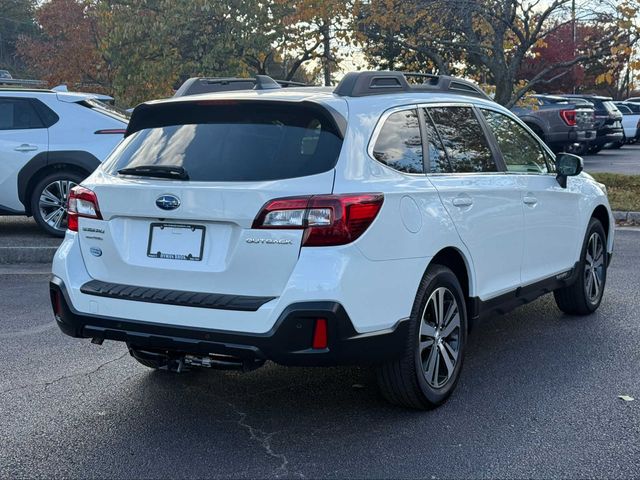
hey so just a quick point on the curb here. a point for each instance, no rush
(632, 218)
(26, 255)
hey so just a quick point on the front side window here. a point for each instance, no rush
(463, 139)
(399, 144)
(18, 114)
(520, 151)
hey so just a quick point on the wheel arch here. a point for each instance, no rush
(602, 214)
(46, 163)
(454, 259)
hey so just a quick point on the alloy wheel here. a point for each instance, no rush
(440, 337)
(53, 203)
(594, 268)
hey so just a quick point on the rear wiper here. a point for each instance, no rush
(159, 171)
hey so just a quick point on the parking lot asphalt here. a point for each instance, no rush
(538, 398)
(625, 160)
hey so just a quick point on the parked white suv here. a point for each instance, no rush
(49, 142)
(370, 224)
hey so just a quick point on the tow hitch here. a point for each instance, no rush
(182, 362)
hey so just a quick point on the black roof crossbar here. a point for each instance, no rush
(362, 84)
(197, 85)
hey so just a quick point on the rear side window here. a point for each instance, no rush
(520, 151)
(239, 142)
(463, 139)
(18, 114)
(399, 144)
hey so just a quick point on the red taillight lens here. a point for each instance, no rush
(82, 203)
(569, 117)
(327, 219)
(320, 339)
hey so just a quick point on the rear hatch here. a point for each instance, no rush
(162, 230)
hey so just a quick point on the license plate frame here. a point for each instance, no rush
(187, 256)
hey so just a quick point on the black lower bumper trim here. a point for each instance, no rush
(174, 297)
(288, 342)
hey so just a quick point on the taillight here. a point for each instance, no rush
(569, 117)
(82, 203)
(326, 219)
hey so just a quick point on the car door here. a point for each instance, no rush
(552, 235)
(23, 135)
(484, 203)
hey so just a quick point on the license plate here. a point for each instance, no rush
(176, 241)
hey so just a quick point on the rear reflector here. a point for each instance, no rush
(111, 131)
(320, 334)
(82, 203)
(326, 219)
(56, 303)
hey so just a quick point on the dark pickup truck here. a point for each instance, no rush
(564, 125)
(608, 120)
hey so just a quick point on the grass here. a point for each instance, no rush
(624, 190)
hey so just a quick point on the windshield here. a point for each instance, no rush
(236, 143)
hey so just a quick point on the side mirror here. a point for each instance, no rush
(567, 165)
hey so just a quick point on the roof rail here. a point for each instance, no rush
(362, 84)
(22, 82)
(196, 85)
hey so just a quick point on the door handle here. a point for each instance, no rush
(462, 201)
(530, 200)
(25, 147)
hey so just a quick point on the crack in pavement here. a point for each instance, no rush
(64, 377)
(264, 439)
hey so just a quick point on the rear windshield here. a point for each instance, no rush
(239, 142)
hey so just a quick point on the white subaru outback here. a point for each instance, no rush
(372, 223)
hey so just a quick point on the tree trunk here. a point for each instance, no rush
(504, 89)
(327, 58)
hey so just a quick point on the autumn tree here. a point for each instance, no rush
(65, 50)
(609, 39)
(16, 20)
(485, 39)
(317, 29)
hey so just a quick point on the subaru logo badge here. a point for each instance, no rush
(96, 251)
(168, 202)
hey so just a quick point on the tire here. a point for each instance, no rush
(583, 297)
(620, 144)
(404, 380)
(578, 149)
(595, 149)
(49, 200)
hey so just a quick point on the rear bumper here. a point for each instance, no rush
(288, 342)
(573, 135)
